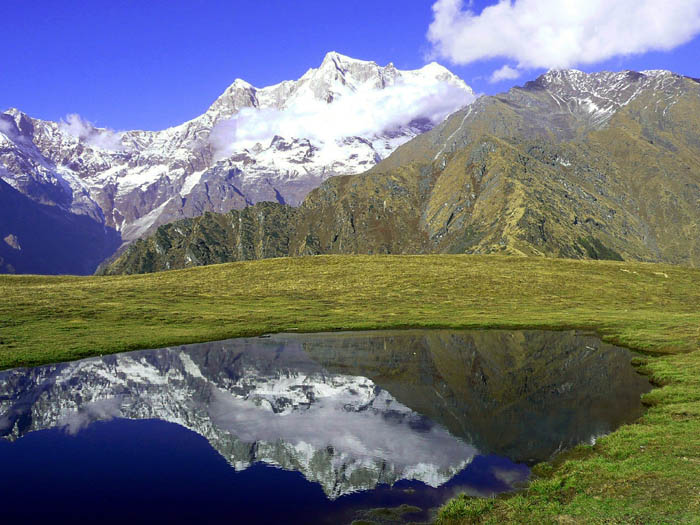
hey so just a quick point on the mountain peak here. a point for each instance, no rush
(239, 82)
(14, 112)
(338, 59)
(657, 72)
(557, 75)
(571, 81)
(434, 65)
(332, 120)
(614, 81)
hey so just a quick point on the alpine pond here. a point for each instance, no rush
(305, 428)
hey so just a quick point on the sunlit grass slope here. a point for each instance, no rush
(644, 473)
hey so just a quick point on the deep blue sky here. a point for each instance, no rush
(153, 64)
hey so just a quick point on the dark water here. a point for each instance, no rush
(302, 429)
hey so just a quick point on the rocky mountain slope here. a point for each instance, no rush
(602, 166)
(251, 145)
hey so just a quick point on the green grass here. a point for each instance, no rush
(648, 472)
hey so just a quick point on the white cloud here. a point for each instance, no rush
(100, 410)
(10, 130)
(366, 112)
(560, 33)
(504, 73)
(334, 420)
(84, 130)
(5, 127)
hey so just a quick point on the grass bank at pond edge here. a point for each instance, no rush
(648, 472)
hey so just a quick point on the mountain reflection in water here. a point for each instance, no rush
(351, 411)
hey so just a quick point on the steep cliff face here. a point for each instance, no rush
(601, 166)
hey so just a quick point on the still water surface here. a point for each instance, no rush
(303, 428)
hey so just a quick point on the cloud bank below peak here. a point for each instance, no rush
(366, 112)
(559, 33)
(78, 127)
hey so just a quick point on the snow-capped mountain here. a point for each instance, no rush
(253, 144)
(598, 96)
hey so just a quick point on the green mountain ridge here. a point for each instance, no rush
(574, 165)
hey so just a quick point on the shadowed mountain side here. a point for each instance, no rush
(30, 231)
(509, 393)
(600, 166)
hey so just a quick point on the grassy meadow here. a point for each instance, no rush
(648, 472)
